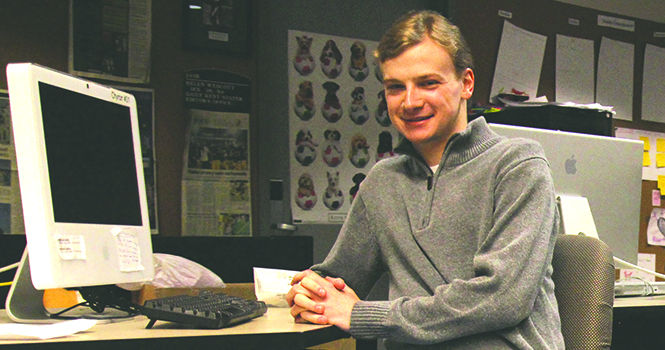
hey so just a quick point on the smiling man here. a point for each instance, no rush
(463, 222)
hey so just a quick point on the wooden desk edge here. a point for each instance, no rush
(276, 324)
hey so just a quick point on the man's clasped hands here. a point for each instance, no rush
(321, 300)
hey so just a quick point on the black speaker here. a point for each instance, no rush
(278, 220)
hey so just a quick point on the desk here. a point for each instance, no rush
(639, 323)
(274, 330)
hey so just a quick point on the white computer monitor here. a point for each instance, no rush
(81, 178)
(606, 171)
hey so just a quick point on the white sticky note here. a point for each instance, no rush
(129, 252)
(71, 247)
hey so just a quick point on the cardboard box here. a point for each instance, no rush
(243, 290)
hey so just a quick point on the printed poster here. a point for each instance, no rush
(338, 123)
(110, 39)
(216, 198)
(11, 212)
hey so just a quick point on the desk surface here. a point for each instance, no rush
(274, 330)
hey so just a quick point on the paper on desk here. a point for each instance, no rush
(271, 285)
(10, 331)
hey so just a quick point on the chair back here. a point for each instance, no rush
(584, 287)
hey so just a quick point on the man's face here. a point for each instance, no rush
(425, 97)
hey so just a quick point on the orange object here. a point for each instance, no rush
(60, 298)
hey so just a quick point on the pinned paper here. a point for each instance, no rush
(660, 160)
(660, 145)
(655, 198)
(646, 159)
(647, 146)
(661, 182)
(656, 227)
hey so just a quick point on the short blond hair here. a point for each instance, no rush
(413, 27)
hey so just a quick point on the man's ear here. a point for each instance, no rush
(468, 81)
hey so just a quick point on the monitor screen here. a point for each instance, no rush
(90, 157)
(607, 171)
(81, 180)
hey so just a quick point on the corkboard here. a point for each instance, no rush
(645, 211)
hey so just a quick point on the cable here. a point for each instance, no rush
(9, 267)
(648, 290)
(639, 268)
(648, 287)
(5, 284)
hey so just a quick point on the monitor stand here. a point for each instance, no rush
(25, 304)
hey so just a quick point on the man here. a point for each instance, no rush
(463, 222)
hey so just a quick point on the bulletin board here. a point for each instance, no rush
(482, 22)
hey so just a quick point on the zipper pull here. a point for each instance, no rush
(429, 182)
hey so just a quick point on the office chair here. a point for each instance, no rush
(584, 287)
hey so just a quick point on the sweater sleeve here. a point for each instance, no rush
(355, 243)
(509, 267)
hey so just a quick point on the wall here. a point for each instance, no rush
(484, 41)
(37, 31)
(651, 10)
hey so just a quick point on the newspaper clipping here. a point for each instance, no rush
(11, 214)
(111, 39)
(216, 198)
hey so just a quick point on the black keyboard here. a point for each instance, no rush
(205, 310)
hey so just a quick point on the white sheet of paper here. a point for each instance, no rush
(271, 285)
(574, 74)
(519, 61)
(614, 86)
(44, 331)
(653, 89)
(656, 227)
(646, 261)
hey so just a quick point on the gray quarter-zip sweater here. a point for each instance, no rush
(467, 249)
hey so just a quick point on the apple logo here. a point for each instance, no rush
(570, 165)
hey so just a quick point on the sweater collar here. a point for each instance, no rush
(462, 146)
